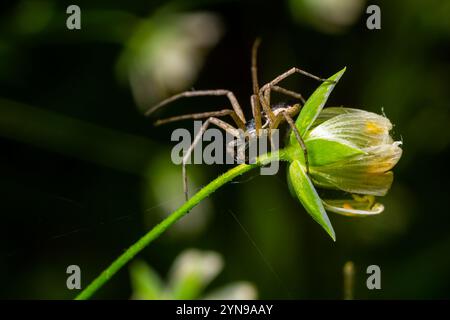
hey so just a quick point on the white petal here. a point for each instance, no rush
(234, 291)
(377, 159)
(331, 112)
(359, 127)
(373, 184)
(356, 207)
(203, 265)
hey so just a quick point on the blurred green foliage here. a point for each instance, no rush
(81, 166)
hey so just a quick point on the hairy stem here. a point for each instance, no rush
(154, 233)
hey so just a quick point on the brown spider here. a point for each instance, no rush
(270, 117)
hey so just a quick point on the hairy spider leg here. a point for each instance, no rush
(254, 101)
(197, 93)
(203, 115)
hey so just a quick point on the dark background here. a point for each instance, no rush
(83, 174)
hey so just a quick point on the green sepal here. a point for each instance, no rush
(325, 151)
(315, 104)
(308, 196)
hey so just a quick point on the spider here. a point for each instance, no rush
(269, 118)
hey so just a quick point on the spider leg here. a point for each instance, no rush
(256, 111)
(292, 111)
(203, 115)
(290, 72)
(290, 93)
(264, 91)
(265, 102)
(277, 121)
(219, 92)
(221, 124)
(254, 101)
(255, 66)
(299, 138)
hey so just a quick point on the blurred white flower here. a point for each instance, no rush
(191, 272)
(166, 53)
(236, 291)
(328, 15)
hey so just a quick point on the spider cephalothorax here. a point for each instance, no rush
(266, 116)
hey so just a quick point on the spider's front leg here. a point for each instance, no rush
(203, 115)
(202, 93)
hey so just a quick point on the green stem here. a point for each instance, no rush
(154, 233)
